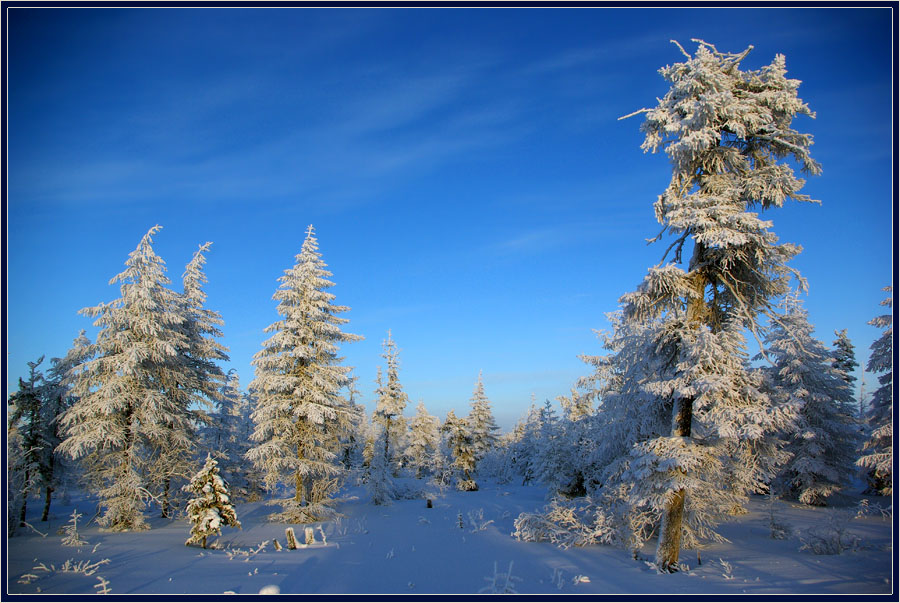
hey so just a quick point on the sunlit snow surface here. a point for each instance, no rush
(410, 549)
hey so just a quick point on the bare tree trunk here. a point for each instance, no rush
(299, 482)
(165, 501)
(48, 493)
(670, 528)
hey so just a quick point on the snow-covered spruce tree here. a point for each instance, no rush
(197, 396)
(300, 412)
(15, 470)
(354, 440)
(131, 394)
(482, 425)
(823, 439)
(389, 407)
(843, 357)
(211, 507)
(380, 483)
(59, 399)
(726, 132)
(577, 425)
(878, 457)
(228, 436)
(551, 455)
(26, 419)
(424, 442)
(526, 444)
(459, 443)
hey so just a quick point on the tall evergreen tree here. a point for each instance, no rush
(878, 459)
(526, 445)
(822, 440)
(15, 468)
(844, 359)
(228, 437)
(27, 419)
(131, 393)
(424, 441)
(300, 408)
(200, 392)
(389, 407)
(59, 399)
(726, 132)
(459, 441)
(482, 425)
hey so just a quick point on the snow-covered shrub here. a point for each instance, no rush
(467, 485)
(565, 523)
(832, 537)
(211, 508)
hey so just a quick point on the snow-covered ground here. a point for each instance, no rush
(407, 548)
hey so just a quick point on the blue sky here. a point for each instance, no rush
(468, 179)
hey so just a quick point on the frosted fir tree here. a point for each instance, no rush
(843, 356)
(424, 442)
(26, 425)
(15, 470)
(526, 444)
(353, 442)
(198, 357)
(380, 483)
(551, 455)
(727, 133)
(389, 406)
(211, 507)
(301, 413)
(824, 437)
(131, 394)
(482, 425)
(577, 425)
(459, 442)
(228, 437)
(878, 451)
(59, 399)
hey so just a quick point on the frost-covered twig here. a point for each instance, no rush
(86, 567)
(500, 582)
(727, 568)
(476, 520)
(102, 586)
(28, 525)
(248, 554)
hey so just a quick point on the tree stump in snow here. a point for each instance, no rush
(309, 536)
(291, 539)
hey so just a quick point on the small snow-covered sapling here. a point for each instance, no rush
(71, 537)
(211, 508)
